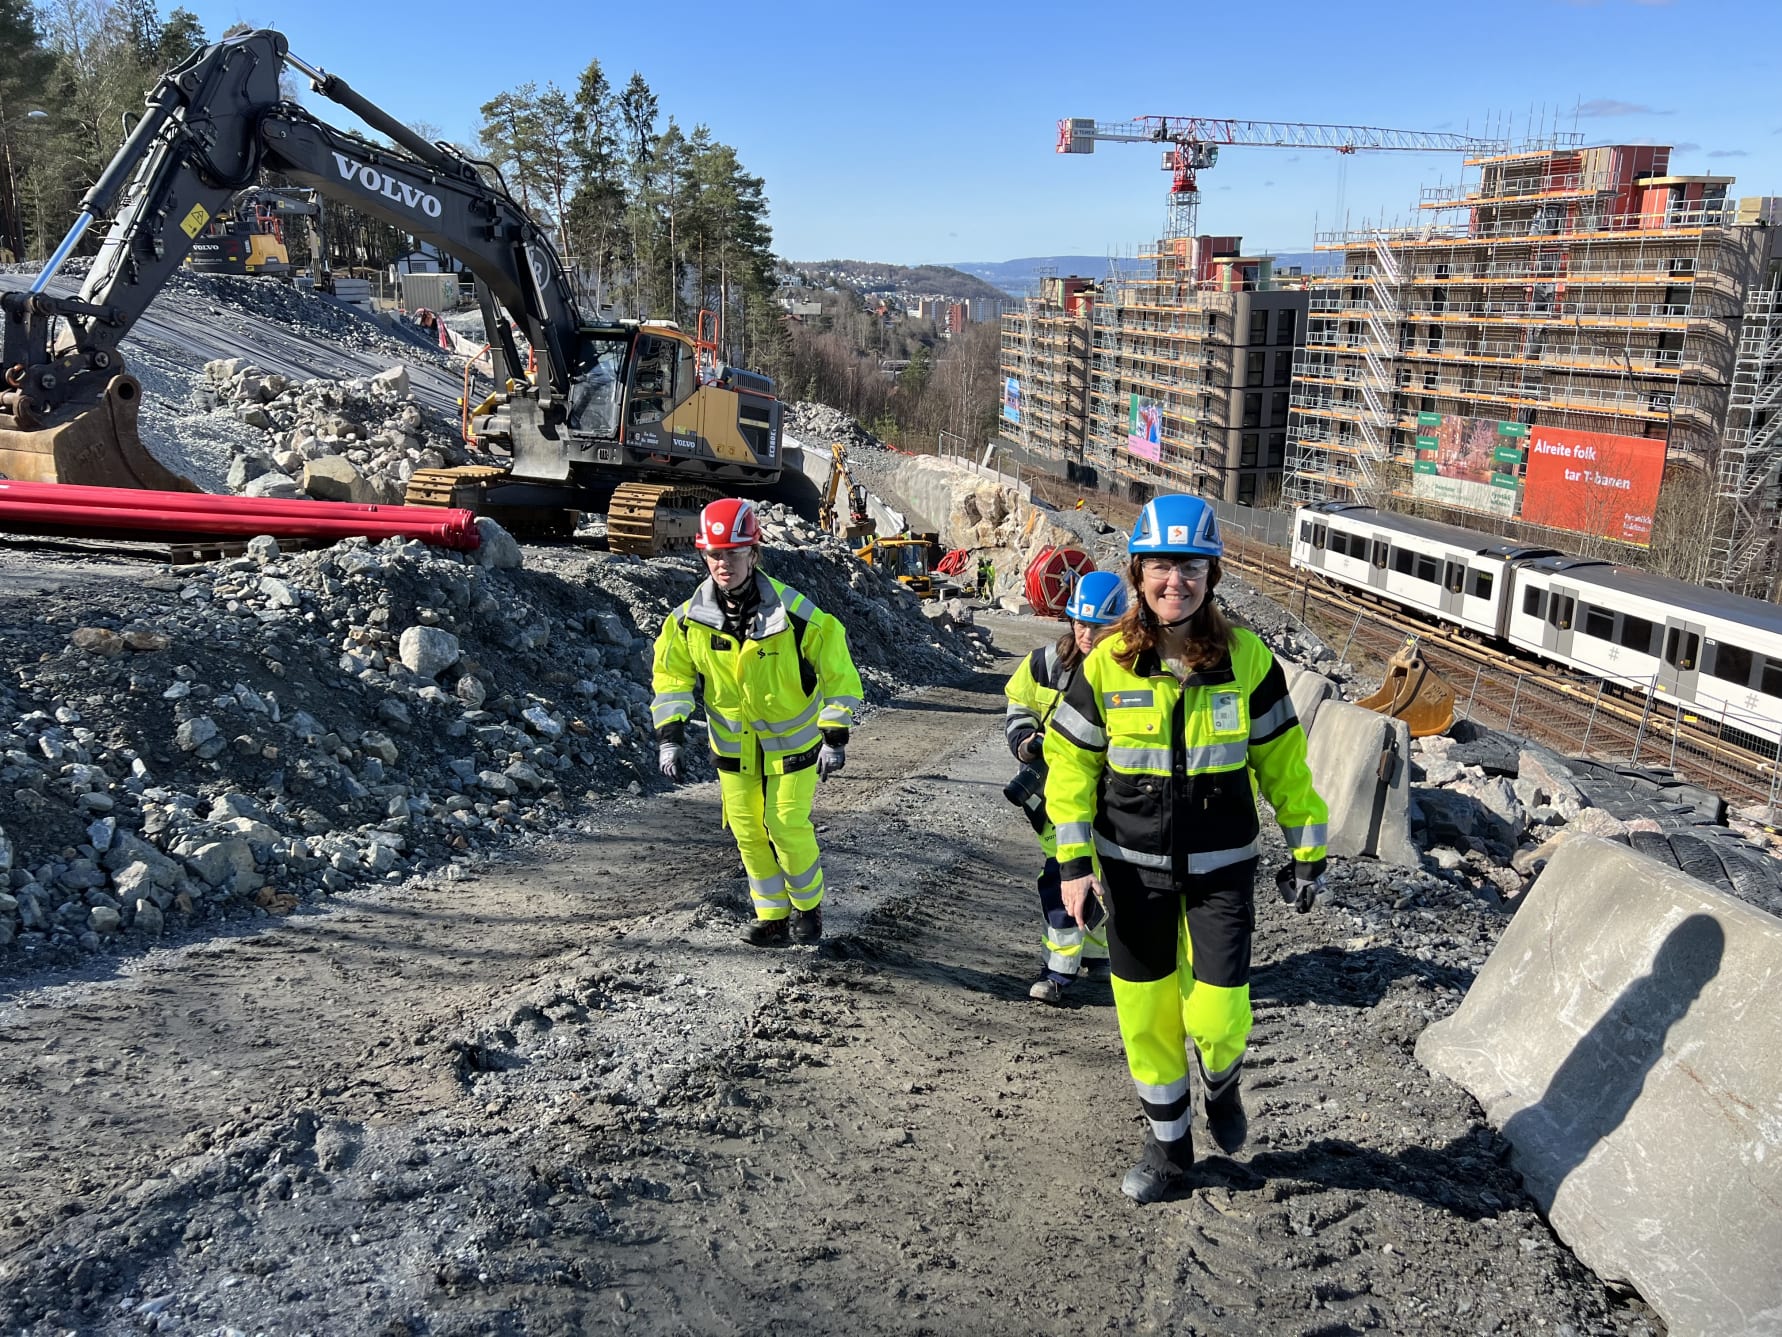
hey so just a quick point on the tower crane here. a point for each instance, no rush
(1194, 146)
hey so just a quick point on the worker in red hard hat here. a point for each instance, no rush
(780, 692)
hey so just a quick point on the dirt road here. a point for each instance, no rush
(559, 1096)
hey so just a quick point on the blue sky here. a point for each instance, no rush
(923, 132)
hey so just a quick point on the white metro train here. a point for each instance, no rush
(1717, 653)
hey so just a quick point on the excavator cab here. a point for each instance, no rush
(908, 559)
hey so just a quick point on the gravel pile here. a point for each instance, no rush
(332, 440)
(237, 738)
(819, 427)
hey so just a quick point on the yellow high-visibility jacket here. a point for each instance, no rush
(1163, 774)
(769, 696)
(1033, 692)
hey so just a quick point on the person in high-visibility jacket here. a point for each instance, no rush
(1154, 756)
(780, 692)
(1033, 693)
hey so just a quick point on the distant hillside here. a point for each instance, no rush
(877, 278)
(1021, 277)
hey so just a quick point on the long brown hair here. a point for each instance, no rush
(1209, 634)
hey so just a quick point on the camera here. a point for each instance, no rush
(1028, 781)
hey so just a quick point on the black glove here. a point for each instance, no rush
(1300, 884)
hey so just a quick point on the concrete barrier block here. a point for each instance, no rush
(1309, 691)
(1623, 1035)
(1361, 766)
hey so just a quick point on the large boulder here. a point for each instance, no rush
(332, 478)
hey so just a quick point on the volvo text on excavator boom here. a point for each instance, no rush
(636, 419)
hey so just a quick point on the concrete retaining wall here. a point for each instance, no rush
(987, 514)
(1624, 1035)
(1370, 814)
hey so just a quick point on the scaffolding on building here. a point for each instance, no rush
(1743, 550)
(1549, 298)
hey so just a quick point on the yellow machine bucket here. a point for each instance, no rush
(99, 448)
(1413, 692)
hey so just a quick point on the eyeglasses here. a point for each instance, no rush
(1188, 568)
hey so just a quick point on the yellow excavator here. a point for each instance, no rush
(637, 419)
(860, 524)
(908, 558)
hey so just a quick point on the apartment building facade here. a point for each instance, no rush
(1578, 300)
(1176, 380)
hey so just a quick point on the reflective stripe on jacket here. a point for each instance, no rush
(773, 692)
(1033, 692)
(1162, 773)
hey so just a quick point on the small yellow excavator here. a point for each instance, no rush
(909, 558)
(1413, 692)
(860, 524)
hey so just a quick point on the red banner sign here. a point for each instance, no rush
(1593, 483)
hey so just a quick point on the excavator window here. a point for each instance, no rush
(652, 381)
(599, 383)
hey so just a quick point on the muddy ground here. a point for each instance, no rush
(558, 1096)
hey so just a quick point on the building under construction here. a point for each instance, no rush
(1563, 307)
(1177, 377)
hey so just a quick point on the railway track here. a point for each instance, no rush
(1537, 700)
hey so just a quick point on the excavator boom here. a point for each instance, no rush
(604, 407)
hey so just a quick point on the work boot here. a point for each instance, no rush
(1226, 1120)
(1094, 967)
(807, 925)
(1050, 987)
(768, 933)
(1161, 1172)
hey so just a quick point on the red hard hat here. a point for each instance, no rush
(728, 523)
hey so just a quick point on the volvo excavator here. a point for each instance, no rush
(636, 419)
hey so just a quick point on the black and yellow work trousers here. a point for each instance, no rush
(1180, 960)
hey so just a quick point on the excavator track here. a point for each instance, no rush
(649, 519)
(466, 487)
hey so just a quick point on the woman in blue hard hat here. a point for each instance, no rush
(1154, 754)
(1033, 694)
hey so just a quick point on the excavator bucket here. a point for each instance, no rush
(1413, 692)
(99, 448)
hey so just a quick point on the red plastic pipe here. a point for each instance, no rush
(204, 503)
(41, 507)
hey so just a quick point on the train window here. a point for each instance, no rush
(1381, 549)
(1732, 664)
(1402, 560)
(1560, 608)
(1636, 633)
(1680, 648)
(1318, 537)
(1772, 677)
(1599, 622)
(1339, 543)
(1534, 602)
(1481, 583)
(1305, 531)
(1426, 569)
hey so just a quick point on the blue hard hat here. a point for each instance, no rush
(1177, 524)
(1099, 599)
